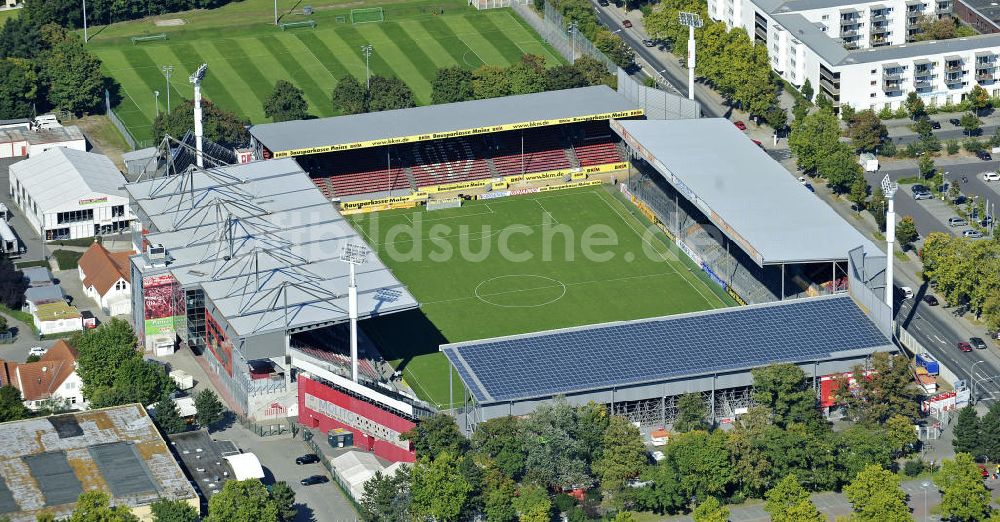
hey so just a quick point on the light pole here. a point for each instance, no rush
(196, 79)
(572, 35)
(156, 94)
(167, 71)
(889, 188)
(275, 12)
(85, 39)
(925, 486)
(692, 20)
(353, 254)
(367, 49)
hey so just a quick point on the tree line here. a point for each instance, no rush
(519, 468)
(965, 273)
(581, 12)
(69, 13)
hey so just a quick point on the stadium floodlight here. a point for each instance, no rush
(367, 50)
(156, 101)
(167, 71)
(889, 188)
(692, 21)
(196, 79)
(85, 38)
(353, 254)
(572, 29)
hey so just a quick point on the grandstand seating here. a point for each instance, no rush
(543, 151)
(368, 171)
(448, 161)
(596, 146)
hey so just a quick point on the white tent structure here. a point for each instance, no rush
(245, 466)
(356, 467)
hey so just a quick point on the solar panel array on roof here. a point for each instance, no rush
(55, 477)
(66, 426)
(7, 503)
(619, 354)
(122, 468)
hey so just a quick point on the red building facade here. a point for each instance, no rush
(375, 429)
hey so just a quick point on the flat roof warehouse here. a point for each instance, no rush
(433, 122)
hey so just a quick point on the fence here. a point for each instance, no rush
(310, 438)
(129, 138)
(658, 104)
(267, 430)
(553, 29)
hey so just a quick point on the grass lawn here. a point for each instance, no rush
(465, 298)
(8, 13)
(247, 54)
(67, 259)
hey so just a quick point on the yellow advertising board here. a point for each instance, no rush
(454, 134)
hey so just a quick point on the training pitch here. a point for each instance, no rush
(245, 61)
(505, 266)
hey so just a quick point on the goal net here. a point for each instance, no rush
(367, 15)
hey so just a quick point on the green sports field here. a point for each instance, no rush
(505, 266)
(246, 57)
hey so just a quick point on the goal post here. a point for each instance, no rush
(367, 15)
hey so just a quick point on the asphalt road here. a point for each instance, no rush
(945, 134)
(658, 59)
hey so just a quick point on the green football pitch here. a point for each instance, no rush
(245, 61)
(522, 264)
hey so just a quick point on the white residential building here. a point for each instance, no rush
(69, 194)
(105, 277)
(857, 53)
(53, 378)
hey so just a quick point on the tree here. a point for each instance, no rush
(614, 48)
(438, 489)
(101, 351)
(624, 456)
(243, 501)
(624, 516)
(286, 102)
(978, 99)
(95, 506)
(690, 413)
(662, 492)
(813, 138)
(174, 511)
(900, 433)
(866, 131)
(73, 77)
(533, 504)
(349, 96)
(970, 123)
(906, 232)
(878, 206)
(711, 510)
(490, 81)
(887, 391)
(966, 272)
(387, 498)
(840, 167)
(751, 466)
(564, 77)
(799, 110)
(966, 435)
(498, 503)
(989, 433)
(12, 284)
(859, 193)
(221, 126)
(528, 75)
(788, 501)
(555, 455)
(593, 70)
(915, 106)
(777, 118)
(502, 441)
(701, 462)
(807, 90)
(18, 88)
(167, 416)
(860, 446)
(137, 380)
(782, 389)
(964, 497)
(284, 496)
(876, 496)
(451, 84)
(3, 328)
(210, 409)
(926, 167)
(387, 94)
(435, 435)
(592, 421)
(11, 406)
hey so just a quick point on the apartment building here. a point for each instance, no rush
(860, 53)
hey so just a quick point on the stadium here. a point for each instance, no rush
(290, 277)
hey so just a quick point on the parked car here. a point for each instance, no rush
(740, 125)
(649, 43)
(973, 234)
(923, 195)
(310, 458)
(906, 292)
(983, 155)
(986, 221)
(935, 124)
(956, 122)
(991, 176)
(964, 346)
(313, 480)
(802, 180)
(957, 222)
(627, 24)
(810, 188)
(977, 343)
(758, 143)
(37, 351)
(930, 300)
(602, 3)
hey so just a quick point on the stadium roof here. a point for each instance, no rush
(619, 354)
(62, 176)
(264, 245)
(746, 194)
(294, 138)
(46, 462)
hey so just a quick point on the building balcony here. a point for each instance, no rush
(922, 84)
(893, 75)
(848, 32)
(954, 67)
(880, 29)
(944, 7)
(831, 87)
(985, 77)
(891, 85)
(852, 46)
(881, 43)
(882, 17)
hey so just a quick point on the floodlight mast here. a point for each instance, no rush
(692, 21)
(353, 254)
(889, 188)
(196, 79)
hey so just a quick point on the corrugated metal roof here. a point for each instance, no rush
(60, 175)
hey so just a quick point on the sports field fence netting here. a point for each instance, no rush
(553, 29)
